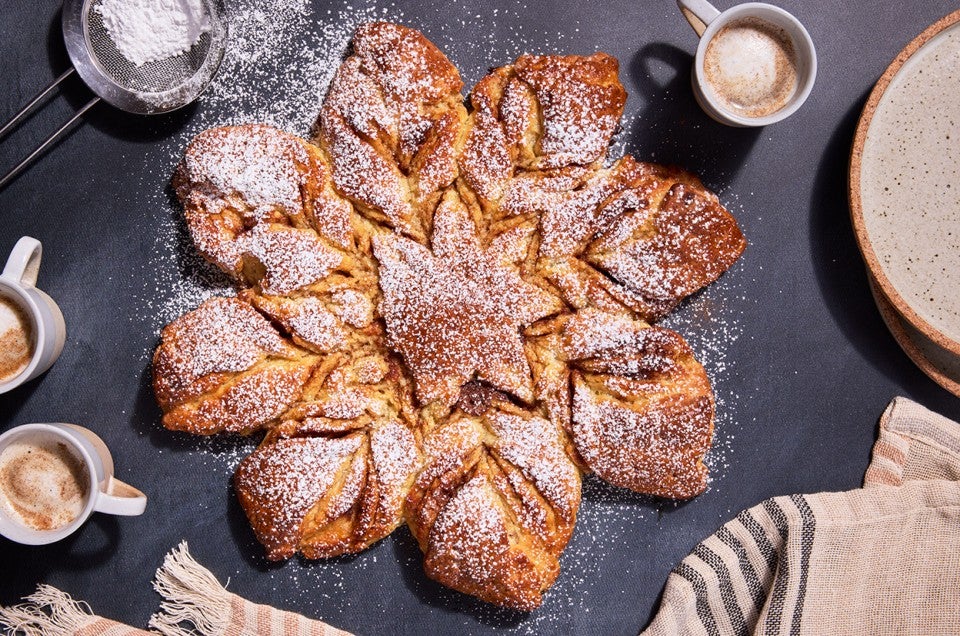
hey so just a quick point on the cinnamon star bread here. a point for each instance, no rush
(444, 313)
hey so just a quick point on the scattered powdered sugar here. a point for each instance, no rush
(473, 530)
(280, 59)
(394, 453)
(259, 165)
(316, 324)
(285, 480)
(364, 174)
(579, 117)
(469, 299)
(252, 402)
(353, 308)
(344, 404)
(153, 30)
(710, 323)
(279, 62)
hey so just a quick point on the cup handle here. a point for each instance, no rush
(699, 13)
(119, 498)
(23, 264)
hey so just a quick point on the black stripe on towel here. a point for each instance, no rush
(727, 594)
(779, 595)
(807, 528)
(748, 521)
(700, 592)
(757, 593)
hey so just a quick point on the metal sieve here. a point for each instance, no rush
(152, 88)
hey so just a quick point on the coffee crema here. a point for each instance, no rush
(43, 485)
(751, 65)
(16, 339)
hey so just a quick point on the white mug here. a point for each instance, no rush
(708, 21)
(104, 493)
(18, 284)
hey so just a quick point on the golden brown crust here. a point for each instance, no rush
(222, 367)
(669, 249)
(390, 124)
(240, 178)
(455, 311)
(580, 102)
(440, 314)
(325, 496)
(543, 112)
(495, 503)
(333, 476)
(641, 408)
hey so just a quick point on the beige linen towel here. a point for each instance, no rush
(884, 559)
(194, 604)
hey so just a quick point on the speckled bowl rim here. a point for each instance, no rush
(894, 322)
(856, 207)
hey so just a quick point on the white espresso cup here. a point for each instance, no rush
(53, 477)
(755, 64)
(47, 329)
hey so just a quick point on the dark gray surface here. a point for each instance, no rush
(806, 370)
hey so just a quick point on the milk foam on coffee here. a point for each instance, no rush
(752, 67)
(43, 485)
(16, 339)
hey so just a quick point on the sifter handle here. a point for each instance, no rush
(26, 110)
(7, 178)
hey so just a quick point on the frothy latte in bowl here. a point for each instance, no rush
(16, 339)
(43, 483)
(755, 64)
(53, 477)
(751, 66)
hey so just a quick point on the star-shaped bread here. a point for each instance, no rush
(455, 312)
(445, 313)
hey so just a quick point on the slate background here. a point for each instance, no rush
(805, 381)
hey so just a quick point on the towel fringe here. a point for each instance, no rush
(47, 612)
(192, 594)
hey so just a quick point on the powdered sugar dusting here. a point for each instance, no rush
(251, 403)
(533, 445)
(288, 477)
(471, 301)
(293, 258)
(353, 308)
(710, 322)
(223, 335)
(259, 167)
(579, 117)
(395, 460)
(691, 242)
(152, 30)
(317, 325)
(182, 280)
(473, 527)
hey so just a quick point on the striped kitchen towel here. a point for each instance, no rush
(884, 559)
(195, 604)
